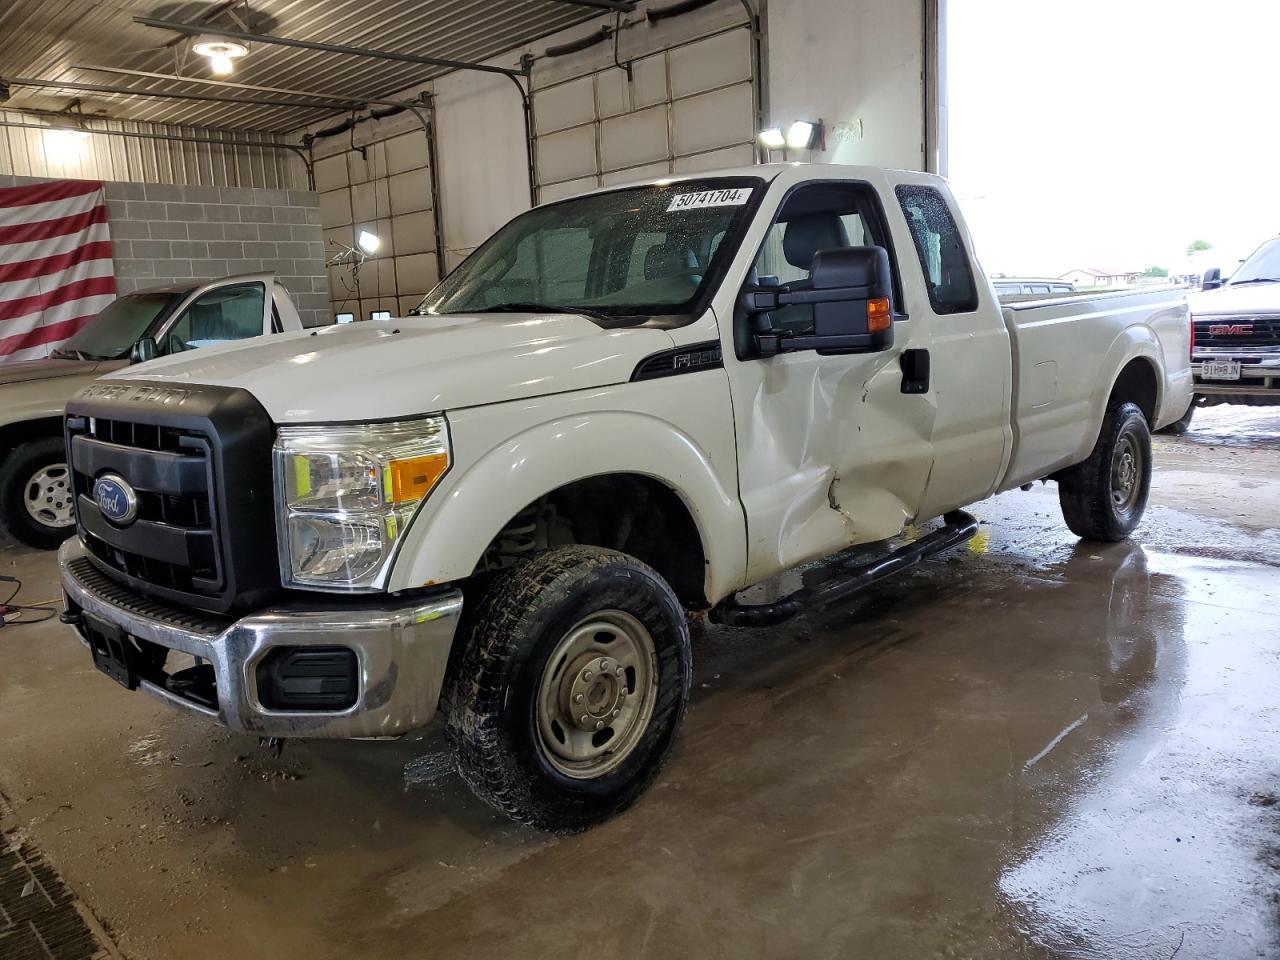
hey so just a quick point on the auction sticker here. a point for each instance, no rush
(735, 197)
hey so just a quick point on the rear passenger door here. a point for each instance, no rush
(971, 363)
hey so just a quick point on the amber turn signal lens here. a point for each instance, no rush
(413, 477)
(879, 316)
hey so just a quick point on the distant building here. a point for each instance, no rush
(1086, 278)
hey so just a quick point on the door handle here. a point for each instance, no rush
(915, 371)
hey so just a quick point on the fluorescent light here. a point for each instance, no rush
(800, 135)
(368, 242)
(772, 138)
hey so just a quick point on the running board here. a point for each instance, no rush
(957, 528)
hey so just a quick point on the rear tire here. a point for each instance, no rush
(1104, 497)
(569, 687)
(1182, 424)
(35, 493)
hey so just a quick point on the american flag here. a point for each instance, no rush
(56, 271)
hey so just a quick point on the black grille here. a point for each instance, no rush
(1237, 334)
(199, 459)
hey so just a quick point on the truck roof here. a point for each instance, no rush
(762, 171)
(187, 286)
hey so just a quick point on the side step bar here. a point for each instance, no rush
(957, 528)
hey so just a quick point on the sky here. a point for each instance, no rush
(1113, 134)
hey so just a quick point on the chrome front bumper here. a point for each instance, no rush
(401, 652)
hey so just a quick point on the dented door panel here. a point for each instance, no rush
(830, 452)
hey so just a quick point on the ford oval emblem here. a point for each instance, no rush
(117, 501)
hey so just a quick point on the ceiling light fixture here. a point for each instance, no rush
(220, 51)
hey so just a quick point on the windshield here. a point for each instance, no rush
(626, 254)
(1263, 264)
(113, 332)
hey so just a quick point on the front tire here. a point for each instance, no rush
(36, 494)
(1104, 497)
(569, 687)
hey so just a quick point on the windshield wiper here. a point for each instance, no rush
(1241, 283)
(61, 354)
(531, 306)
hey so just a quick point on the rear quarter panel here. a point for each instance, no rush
(1067, 355)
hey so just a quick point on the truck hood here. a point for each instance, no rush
(1251, 298)
(406, 367)
(27, 370)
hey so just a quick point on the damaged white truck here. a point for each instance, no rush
(623, 408)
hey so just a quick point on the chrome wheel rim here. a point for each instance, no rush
(596, 694)
(1126, 474)
(47, 497)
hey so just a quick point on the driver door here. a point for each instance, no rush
(220, 313)
(832, 450)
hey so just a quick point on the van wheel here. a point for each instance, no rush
(1182, 424)
(1104, 497)
(36, 494)
(569, 687)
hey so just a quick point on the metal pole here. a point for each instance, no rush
(268, 144)
(235, 85)
(331, 106)
(196, 29)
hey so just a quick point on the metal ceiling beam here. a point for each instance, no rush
(622, 6)
(192, 29)
(236, 85)
(330, 105)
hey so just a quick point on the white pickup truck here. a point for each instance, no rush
(623, 407)
(35, 493)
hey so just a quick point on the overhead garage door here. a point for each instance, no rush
(686, 108)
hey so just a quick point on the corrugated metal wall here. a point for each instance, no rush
(27, 152)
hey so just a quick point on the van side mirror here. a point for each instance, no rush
(1212, 279)
(144, 350)
(850, 290)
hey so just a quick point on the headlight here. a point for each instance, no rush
(345, 495)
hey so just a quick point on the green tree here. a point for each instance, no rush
(1155, 272)
(1198, 246)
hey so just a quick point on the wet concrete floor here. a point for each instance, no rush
(1032, 748)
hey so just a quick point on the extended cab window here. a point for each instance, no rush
(628, 254)
(947, 276)
(219, 316)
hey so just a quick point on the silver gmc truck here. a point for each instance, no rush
(1235, 346)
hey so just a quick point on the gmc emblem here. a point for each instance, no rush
(1230, 329)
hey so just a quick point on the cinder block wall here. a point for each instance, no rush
(162, 233)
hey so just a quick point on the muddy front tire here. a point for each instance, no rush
(35, 493)
(569, 687)
(1104, 497)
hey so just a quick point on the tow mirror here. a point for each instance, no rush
(850, 290)
(144, 350)
(1212, 279)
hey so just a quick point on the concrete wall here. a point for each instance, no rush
(858, 66)
(162, 233)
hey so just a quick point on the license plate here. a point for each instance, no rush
(113, 652)
(1220, 370)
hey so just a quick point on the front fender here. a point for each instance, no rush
(447, 539)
